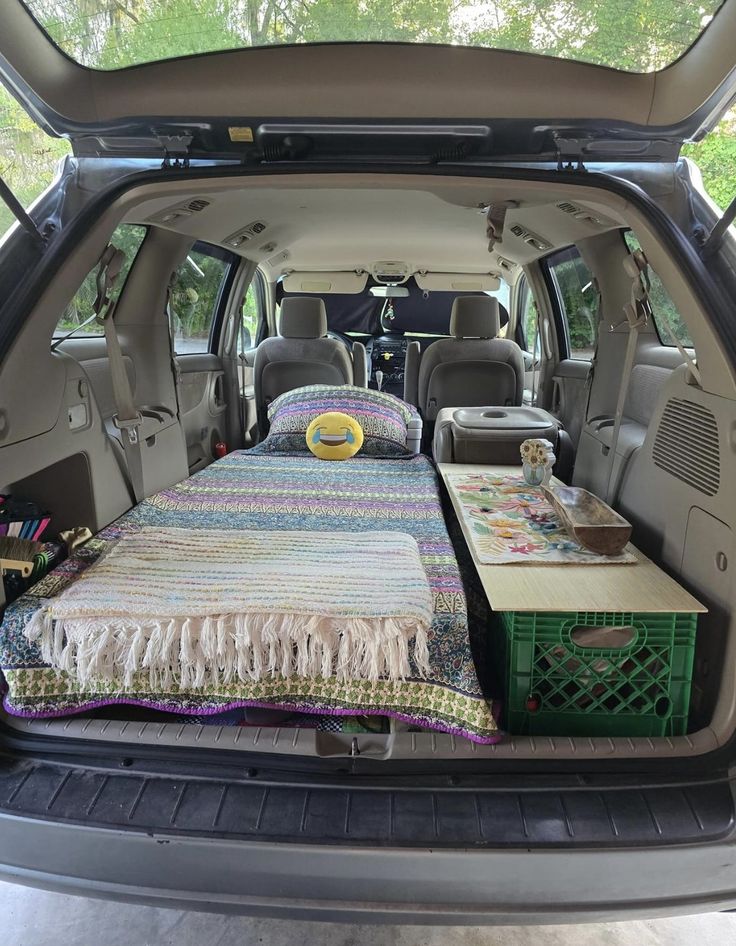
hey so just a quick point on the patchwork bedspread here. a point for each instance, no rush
(250, 490)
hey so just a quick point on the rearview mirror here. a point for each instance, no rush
(390, 292)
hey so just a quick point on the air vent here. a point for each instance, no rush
(179, 212)
(686, 445)
(530, 238)
(578, 213)
(245, 233)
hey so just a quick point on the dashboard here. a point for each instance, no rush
(387, 353)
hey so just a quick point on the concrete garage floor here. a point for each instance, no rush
(35, 918)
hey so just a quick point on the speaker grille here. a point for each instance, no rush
(686, 445)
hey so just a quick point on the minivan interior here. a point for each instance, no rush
(367, 434)
(500, 294)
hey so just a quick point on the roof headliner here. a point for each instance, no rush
(341, 225)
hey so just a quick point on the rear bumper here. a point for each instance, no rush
(369, 886)
(474, 855)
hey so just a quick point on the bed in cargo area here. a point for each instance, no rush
(252, 490)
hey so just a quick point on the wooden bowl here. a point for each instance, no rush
(589, 520)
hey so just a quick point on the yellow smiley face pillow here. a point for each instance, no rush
(334, 436)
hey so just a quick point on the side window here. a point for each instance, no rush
(252, 315)
(664, 312)
(503, 294)
(78, 316)
(195, 296)
(576, 293)
(529, 318)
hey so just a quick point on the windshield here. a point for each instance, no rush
(625, 34)
(418, 314)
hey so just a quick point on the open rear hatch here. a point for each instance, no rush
(102, 79)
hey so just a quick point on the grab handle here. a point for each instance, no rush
(598, 638)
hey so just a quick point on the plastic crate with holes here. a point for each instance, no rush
(595, 673)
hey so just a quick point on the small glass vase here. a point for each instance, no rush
(534, 475)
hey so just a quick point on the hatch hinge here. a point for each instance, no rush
(176, 150)
(569, 154)
(19, 212)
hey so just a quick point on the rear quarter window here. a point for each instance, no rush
(195, 297)
(667, 320)
(78, 316)
(577, 296)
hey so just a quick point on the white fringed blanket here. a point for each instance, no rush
(201, 606)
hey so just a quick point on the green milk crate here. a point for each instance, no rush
(596, 673)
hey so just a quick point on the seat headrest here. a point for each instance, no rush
(475, 317)
(303, 317)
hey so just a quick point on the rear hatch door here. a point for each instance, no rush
(293, 81)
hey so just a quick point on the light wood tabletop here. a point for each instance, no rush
(639, 587)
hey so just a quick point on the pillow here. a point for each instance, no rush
(334, 436)
(382, 417)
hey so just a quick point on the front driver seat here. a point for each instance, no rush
(474, 368)
(301, 354)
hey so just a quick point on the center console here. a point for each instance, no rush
(388, 354)
(493, 435)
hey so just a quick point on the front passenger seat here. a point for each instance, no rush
(302, 354)
(472, 369)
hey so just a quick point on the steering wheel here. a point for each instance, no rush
(339, 337)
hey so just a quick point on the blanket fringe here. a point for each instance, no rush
(218, 650)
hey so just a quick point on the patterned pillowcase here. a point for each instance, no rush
(382, 416)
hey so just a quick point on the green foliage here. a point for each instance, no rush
(716, 158)
(28, 156)
(579, 300)
(639, 35)
(635, 35)
(251, 316)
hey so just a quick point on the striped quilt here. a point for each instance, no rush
(249, 490)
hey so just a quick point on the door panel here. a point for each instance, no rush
(201, 406)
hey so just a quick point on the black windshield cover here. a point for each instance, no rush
(426, 313)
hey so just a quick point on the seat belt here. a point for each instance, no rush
(594, 360)
(536, 365)
(241, 363)
(175, 370)
(637, 316)
(128, 419)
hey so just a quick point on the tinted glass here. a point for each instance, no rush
(626, 34)
(251, 314)
(578, 297)
(195, 296)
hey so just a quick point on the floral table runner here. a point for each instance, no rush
(511, 522)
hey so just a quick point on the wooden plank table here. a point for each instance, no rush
(520, 587)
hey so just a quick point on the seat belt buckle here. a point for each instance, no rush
(129, 427)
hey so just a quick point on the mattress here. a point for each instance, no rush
(252, 490)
